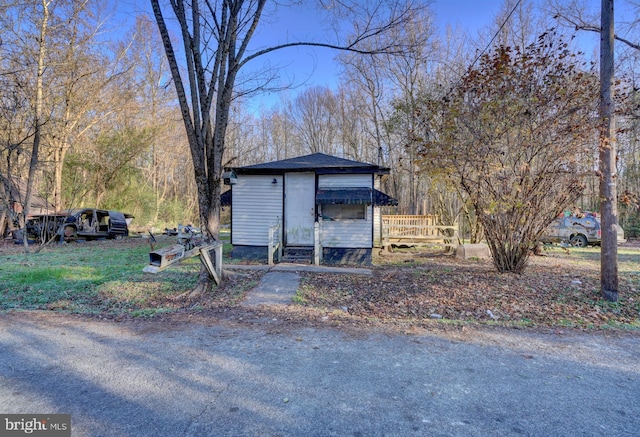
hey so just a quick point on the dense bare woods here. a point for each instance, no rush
(112, 131)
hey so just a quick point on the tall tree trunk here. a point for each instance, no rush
(607, 149)
(33, 163)
(59, 154)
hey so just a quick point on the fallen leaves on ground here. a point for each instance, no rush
(553, 292)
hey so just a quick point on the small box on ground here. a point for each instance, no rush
(469, 251)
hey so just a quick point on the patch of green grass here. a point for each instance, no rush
(566, 323)
(627, 256)
(299, 298)
(149, 312)
(92, 278)
(614, 324)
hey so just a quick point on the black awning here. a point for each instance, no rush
(344, 196)
(381, 199)
(225, 198)
(353, 196)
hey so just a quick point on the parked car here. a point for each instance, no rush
(577, 230)
(88, 223)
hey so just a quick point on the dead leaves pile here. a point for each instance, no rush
(548, 294)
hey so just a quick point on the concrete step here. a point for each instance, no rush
(298, 260)
(299, 255)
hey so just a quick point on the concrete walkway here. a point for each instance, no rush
(275, 288)
(280, 284)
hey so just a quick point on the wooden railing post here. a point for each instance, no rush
(270, 247)
(317, 247)
(275, 243)
(280, 240)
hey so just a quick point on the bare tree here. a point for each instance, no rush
(573, 14)
(55, 61)
(408, 73)
(163, 164)
(354, 125)
(38, 119)
(518, 23)
(511, 135)
(367, 75)
(15, 133)
(82, 83)
(279, 135)
(316, 125)
(215, 37)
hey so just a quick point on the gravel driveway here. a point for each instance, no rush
(223, 376)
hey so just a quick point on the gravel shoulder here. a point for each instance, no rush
(254, 373)
(354, 355)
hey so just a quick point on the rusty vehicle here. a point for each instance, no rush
(87, 223)
(577, 230)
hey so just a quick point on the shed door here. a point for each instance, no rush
(299, 208)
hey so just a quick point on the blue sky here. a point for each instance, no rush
(468, 14)
(315, 66)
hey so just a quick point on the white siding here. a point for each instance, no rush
(347, 233)
(257, 204)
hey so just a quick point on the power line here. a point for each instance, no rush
(504, 23)
(496, 34)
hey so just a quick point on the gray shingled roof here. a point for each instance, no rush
(314, 161)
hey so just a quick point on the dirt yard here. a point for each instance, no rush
(559, 290)
(428, 288)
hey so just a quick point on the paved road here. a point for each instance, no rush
(225, 378)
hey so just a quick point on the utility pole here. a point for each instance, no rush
(607, 152)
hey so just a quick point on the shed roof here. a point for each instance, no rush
(382, 199)
(318, 162)
(226, 198)
(18, 187)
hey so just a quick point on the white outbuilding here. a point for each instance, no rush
(320, 207)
